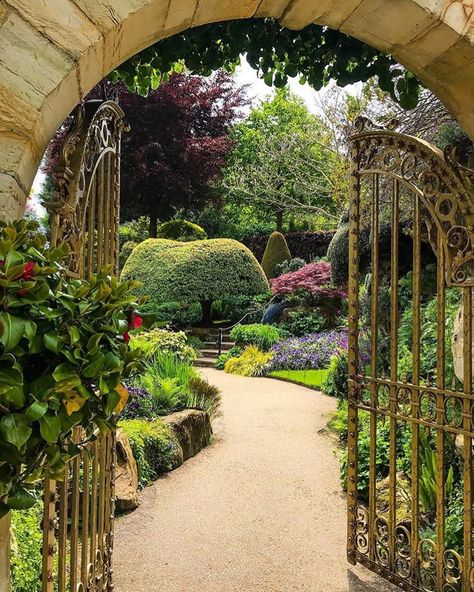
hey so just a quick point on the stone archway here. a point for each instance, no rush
(53, 52)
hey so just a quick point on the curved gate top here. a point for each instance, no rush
(84, 212)
(412, 480)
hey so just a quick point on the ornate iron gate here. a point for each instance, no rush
(402, 504)
(79, 510)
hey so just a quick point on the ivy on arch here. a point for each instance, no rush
(315, 54)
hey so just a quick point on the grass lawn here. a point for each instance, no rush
(310, 378)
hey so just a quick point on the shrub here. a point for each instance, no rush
(64, 351)
(134, 230)
(154, 447)
(164, 341)
(26, 549)
(178, 314)
(125, 252)
(199, 271)
(262, 336)
(252, 362)
(276, 252)
(140, 404)
(314, 278)
(303, 322)
(221, 360)
(181, 230)
(312, 351)
(338, 255)
(289, 266)
(204, 396)
(336, 383)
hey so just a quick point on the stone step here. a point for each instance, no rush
(213, 344)
(205, 362)
(209, 353)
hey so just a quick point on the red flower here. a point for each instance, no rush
(126, 336)
(28, 270)
(137, 321)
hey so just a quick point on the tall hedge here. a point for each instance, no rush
(276, 252)
(199, 271)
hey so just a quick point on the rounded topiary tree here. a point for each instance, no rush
(181, 230)
(276, 252)
(199, 271)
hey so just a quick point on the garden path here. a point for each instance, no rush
(260, 510)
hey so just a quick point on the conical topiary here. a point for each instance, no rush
(275, 253)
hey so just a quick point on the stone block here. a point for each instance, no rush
(192, 429)
(126, 475)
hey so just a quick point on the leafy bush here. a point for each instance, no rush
(336, 383)
(199, 271)
(181, 230)
(289, 266)
(234, 308)
(64, 351)
(204, 396)
(314, 278)
(262, 336)
(141, 405)
(154, 447)
(276, 252)
(303, 322)
(164, 341)
(26, 549)
(252, 362)
(134, 230)
(312, 351)
(221, 360)
(178, 314)
(338, 255)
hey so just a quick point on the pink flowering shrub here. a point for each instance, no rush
(314, 278)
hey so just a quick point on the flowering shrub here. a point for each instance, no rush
(164, 341)
(262, 336)
(63, 352)
(141, 404)
(314, 278)
(313, 351)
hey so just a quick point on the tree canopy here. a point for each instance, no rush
(316, 54)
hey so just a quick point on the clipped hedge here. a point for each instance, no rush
(154, 447)
(276, 252)
(198, 271)
(181, 230)
(306, 245)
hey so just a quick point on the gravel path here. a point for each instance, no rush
(260, 510)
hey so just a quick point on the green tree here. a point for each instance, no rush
(282, 163)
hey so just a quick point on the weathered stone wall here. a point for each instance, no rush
(52, 52)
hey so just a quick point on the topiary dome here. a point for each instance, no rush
(199, 271)
(276, 252)
(181, 230)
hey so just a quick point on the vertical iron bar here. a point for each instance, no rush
(102, 494)
(415, 407)
(100, 215)
(374, 323)
(354, 227)
(110, 538)
(62, 543)
(394, 314)
(75, 509)
(467, 418)
(85, 517)
(91, 231)
(440, 383)
(49, 536)
(93, 510)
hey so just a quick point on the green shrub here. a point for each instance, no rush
(204, 396)
(199, 271)
(252, 362)
(178, 314)
(303, 322)
(181, 230)
(289, 266)
(262, 336)
(276, 252)
(26, 549)
(164, 341)
(335, 384)
(338, 255)
(134, 230)
(154, 447)
(221, 360)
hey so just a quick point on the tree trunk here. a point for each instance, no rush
(206, 312)
(152, 229)
(279, 220)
